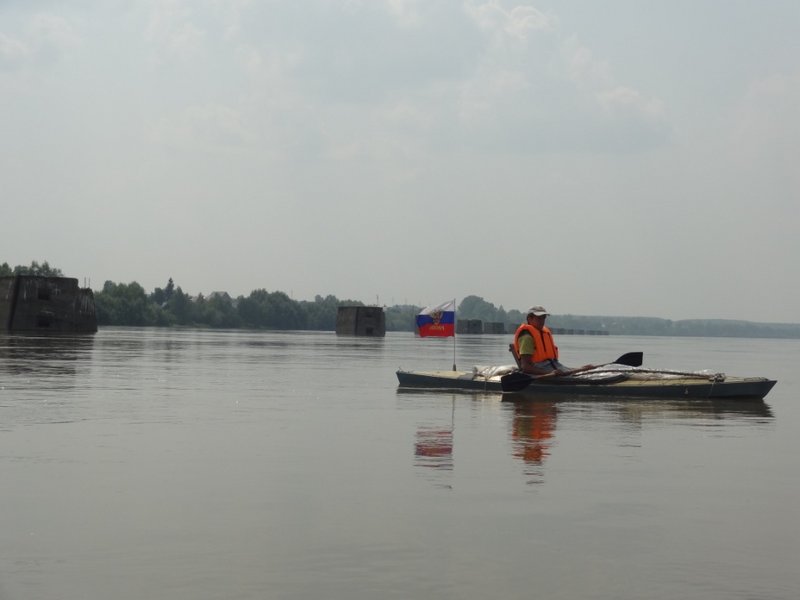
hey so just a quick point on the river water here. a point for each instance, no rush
(196, 464)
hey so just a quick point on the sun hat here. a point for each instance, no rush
(538, 311)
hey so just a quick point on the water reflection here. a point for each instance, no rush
(627, 408)
(433, 447)
(533, 427)
(532, 423)
(694, 410)
(39, 375)
(44, 355)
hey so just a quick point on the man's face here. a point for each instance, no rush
(537, 320)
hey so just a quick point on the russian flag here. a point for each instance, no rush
(438, 321)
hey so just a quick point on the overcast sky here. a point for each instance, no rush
(599, 158)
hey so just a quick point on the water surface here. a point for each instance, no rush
(154, 463)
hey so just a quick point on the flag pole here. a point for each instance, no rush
(454, 334)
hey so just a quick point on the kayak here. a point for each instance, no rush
(623, 383)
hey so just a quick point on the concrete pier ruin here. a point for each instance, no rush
(46, 304)
(367, 321)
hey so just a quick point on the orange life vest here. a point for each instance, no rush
(544, 348)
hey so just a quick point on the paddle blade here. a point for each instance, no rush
(516, 381)
(631, 359)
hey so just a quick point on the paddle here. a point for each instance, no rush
(516, 381)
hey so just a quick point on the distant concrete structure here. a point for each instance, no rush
(563, 331)
(469, 326)
(368, 321)
(477, 326)
(46, 304)
(494, 327)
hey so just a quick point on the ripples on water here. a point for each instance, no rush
(227, 464)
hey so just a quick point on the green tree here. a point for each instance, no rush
(475, 307)
(160, 296)
(217, 310)
(320, 315)
(401, 317)
(180, 305)
(275, 310)
(43, 270)
(123, 304)
(250, 309)
(285, 313)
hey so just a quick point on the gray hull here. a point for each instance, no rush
(683, 387)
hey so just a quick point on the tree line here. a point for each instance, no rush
(129, 304)
(44, 270)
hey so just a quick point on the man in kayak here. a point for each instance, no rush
(535, 349)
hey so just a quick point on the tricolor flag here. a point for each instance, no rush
(438, 321)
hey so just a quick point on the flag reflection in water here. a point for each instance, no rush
(434, 448)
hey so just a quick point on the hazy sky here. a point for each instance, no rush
(603, 158)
